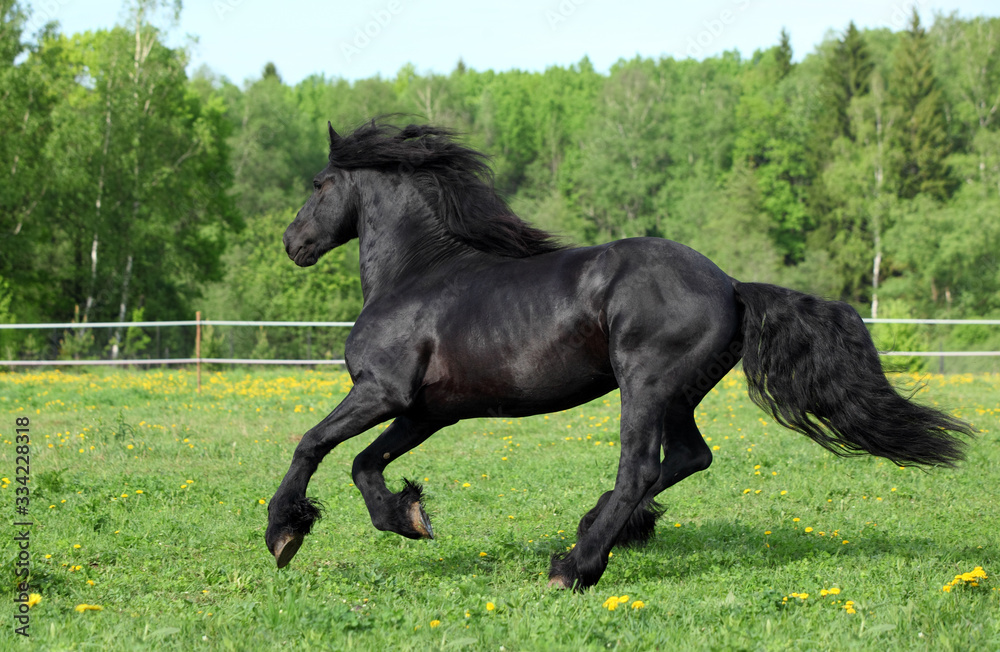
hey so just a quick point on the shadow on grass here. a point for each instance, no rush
(695, 550)
(676, 553)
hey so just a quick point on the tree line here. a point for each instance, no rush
(867, 172)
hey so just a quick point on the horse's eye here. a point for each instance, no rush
(316, 184)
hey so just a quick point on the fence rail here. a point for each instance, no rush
(182, 322)
(198, 323)
(82, 363)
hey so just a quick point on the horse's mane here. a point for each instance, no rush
(456, 180)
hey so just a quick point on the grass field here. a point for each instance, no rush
(149, 501)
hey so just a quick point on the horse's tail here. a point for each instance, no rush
(812, 365)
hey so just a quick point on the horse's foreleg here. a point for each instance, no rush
(638, 470)
(290, 513)
(403, 512)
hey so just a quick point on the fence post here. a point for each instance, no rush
(197, 346)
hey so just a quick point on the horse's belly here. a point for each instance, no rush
(531, 382)
(497, 399)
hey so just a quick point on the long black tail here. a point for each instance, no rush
(813, 366)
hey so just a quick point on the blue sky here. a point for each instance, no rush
(363, 38)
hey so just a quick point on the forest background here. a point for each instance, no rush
(869, 172)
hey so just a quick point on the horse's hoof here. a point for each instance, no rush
(558, 583)
(285, 548)
(421, 523)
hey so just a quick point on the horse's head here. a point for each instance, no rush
(329, 217)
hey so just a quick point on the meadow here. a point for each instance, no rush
(149, 505)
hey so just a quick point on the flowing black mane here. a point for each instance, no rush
(455, 179)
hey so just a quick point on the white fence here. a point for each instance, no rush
(198, 323)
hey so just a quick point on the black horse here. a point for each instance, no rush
(470, 312)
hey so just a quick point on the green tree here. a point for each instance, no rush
(509, 128)
(275, 151)
(922, 136)
(783, 55)
(625, 154)
(771, 142)
(848, 75)
(29, 88)
(138, 208)
(861, 204)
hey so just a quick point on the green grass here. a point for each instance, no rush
(182, 565)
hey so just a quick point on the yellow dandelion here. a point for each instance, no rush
(88, 607)
(435, 623)
(33, 599)
(490, 606)
(482, 554)
(638, 604)
(808, 529)
(260, 501)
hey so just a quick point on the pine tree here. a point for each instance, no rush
(783, 55)
(848, 75)
(922, 136)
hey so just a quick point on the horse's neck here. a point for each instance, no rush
(401, 240)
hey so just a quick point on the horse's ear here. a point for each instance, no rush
(334, 137)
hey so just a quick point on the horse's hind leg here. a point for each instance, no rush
(684, 453)
(638, 470)
(403, 512)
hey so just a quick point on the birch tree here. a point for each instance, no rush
(140, 208)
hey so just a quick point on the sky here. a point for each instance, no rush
(363, 38)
